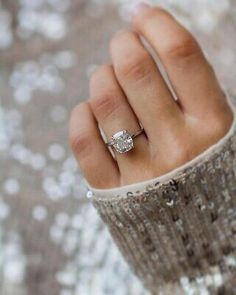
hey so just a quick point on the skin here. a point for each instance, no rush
(132, 90)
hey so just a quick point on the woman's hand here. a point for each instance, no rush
(132, 90)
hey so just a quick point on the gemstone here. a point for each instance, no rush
(122, 141)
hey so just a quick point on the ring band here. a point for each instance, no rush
(123, 141)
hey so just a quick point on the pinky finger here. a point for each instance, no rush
(95, 160)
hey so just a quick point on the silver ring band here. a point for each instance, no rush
(140, 131)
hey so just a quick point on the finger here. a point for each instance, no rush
(114, 114)
(189, 72)
(86, 142)
(144, 86)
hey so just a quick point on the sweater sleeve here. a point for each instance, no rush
(178, 231)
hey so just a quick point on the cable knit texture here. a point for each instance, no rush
(178, 232)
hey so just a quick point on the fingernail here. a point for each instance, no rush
(140, 7)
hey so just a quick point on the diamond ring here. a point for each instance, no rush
(123, 141)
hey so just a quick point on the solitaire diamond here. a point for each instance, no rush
(122, 141)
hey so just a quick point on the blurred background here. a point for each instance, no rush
(51, 240)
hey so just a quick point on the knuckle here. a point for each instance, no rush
(98, 74)
(80, 142)
(136, 67)
(76, 111)
(116, 38)
(78, 138)
(181, 47)
(105, 104)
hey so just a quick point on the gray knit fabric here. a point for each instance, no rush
(179, 235)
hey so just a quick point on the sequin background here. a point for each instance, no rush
(51, 240)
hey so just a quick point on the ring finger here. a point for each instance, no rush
(114, 114)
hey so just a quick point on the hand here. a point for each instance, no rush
(132, 90)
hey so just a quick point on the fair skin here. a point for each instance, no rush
(132, 90)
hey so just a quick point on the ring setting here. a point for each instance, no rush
(123, 141)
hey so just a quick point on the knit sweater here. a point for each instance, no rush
(177, 232)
